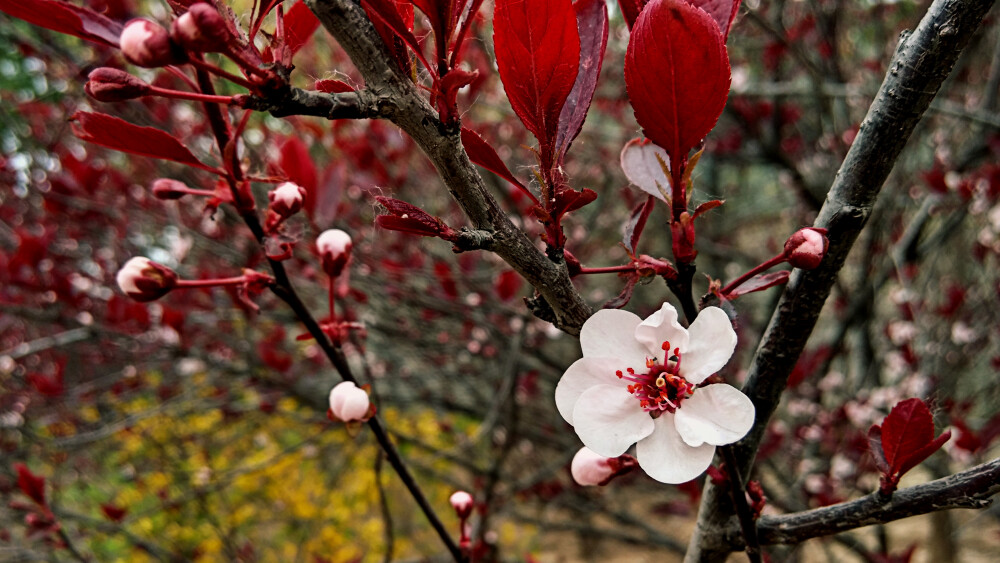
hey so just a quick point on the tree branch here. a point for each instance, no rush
(969, 489)
(407, 108)
(345, 105)
(922, 61)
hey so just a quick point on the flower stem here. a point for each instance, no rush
(194, 96)
(608, 269)
(207, 66)
(210, 282)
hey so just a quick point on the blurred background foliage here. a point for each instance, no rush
(194, 429)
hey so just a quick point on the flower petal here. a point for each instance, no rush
(582, 375)
(666, 458)
(712, 343)
(608, 420)
(660, 327)
(716, 414)
(610, 333)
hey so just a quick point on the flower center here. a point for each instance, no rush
(662, 387)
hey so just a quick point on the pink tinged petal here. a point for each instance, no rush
(590, 468)
(582, 375)
(608, 420)
(643, 168)
(610, 333)
(712, 343)
(665, 457)
(660, 327)
(348, 401)
(716, 414)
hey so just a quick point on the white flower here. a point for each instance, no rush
(348, 402)
(638, 383)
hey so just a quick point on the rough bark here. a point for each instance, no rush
(922, 60)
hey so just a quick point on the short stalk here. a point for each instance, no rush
(193, 96)
(213, 69)
(187, 284)
(608, 269)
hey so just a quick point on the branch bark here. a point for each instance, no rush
(922, 60)
(403, 104)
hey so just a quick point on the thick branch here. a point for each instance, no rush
(922, 61)
(344, 105)
(349, 24)
(969, 489)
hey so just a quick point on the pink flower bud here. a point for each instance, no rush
(335, 250)
(462, 502)
(144, 280)
(165, 188)
(148, 44)
(286, 199)
(202, 29)
(590, 468)
(806, 248)
(107, 84)
(348, 402)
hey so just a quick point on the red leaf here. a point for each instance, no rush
(592, 23)
(33, 486)
(908, 428)
(120, 135)
(636, 223)
(394, 22)
(296, 163)
(442, 15)
(483, 154)
(300, 24)
(65, 18)
(677, 74)
(923, 453)
(332, 86)
(631, 10)
(411, 219)
(625, 296)
(875, 446)
(507, 285)
(759, 283)
(114, 513)
(538, 54)
(722, 11)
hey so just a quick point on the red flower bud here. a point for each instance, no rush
(335, 250)
(202, 29)
(165, 188)
(286, 199)
(146, 43)
(144, 280)
(463, 503)
(107, 84)
(806, 248)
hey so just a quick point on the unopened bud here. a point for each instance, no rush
(590, 468)
(462, 502)
(144, 280)
(348, 402)
(286, 199)
(202, 29)
(165, 188)
(107, 84)
(148, 44)
(806, 248)
(334, 247)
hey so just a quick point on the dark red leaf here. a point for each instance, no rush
(907, 429)
(483, 154)
(722, 11)
(631, 10)
(393, 19)
(538, 54)
(915, 458)
(120, 135)
(332, 86)
(707, 206)
(410, 219)
(443, 14)
(759, 283)
(636, 223)
(33, 486)
(114, 513)
(875, 446)
(300, 24)
(592, 23)
(295, 162)
(625, 296)
(65, 18)
(507, 285)
(677, 74)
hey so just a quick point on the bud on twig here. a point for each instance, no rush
(144, 280)
(107, 84)
(806, 248)
(334, 247)
(286, 199)
(590, 468)
(202, 29)
(146, 43)
(462, 502)
(349, 403)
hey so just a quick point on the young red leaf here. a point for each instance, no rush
(393, 19)
(300, 24)
(120, 135)
(65, 18)
(592, 23)
(707, 206)
(759, 283)
(332, 86)
(538, 54)
(636, 223)
(33, 486)
(677, 74)
(507, 285)
(631, 10)
(295, 162)
(484, 155)
(722, 11)
(908, 428)
(113, 512)
(409, 218)
(917, 457)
